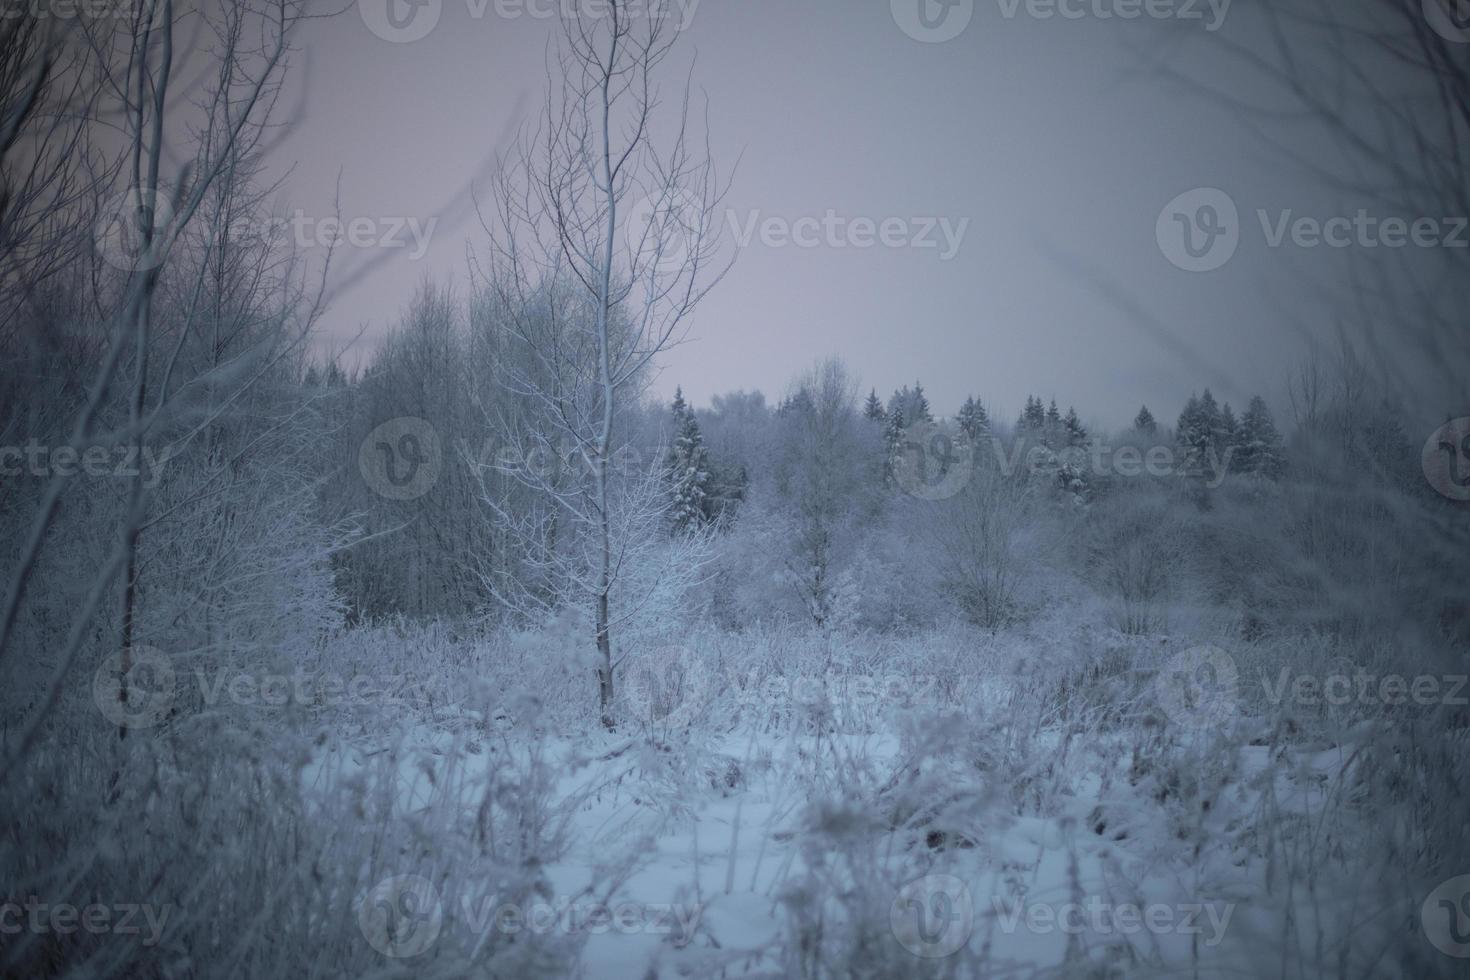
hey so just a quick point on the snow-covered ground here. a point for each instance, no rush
(946, 840)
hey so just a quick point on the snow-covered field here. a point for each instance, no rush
(776, 829)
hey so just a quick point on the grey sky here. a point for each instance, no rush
(1049, 136)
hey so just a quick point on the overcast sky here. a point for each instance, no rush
(1049, 143)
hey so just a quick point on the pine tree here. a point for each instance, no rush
(1261, 450)
(918, 407)
(973, 421)
(873, 408)
(1191, 435)
(898, 401)
(1034, 415)
(911, 403)
(1144, 422)
(688, 470)
(1229, 428)
(893, 444)
(1210, 420)
(1076, 434)
(1053, 435)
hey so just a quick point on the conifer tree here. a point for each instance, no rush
(893, 445)
(1076, 433)
(1144, 422)
(1052, 427)
(973, 421)
(688, 469)
(873, 408)
(1034, 415)
(1261, 449)
(918, 407)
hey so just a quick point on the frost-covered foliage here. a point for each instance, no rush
(473, 658)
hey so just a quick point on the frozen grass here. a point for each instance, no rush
(771, 794)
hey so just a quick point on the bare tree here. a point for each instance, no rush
(142, 240)
(827, 475)
(603, 244)
(975, 537)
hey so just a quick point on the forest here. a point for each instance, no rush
(464, 648)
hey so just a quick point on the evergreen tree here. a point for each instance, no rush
(1053, 434)
(1076, 433)
(973, 421)
(688, 469)
(1229, 429)
(1261, 449)
(918, 407)
(1034, 415)
(1211, 420)
(899, 401)
(873, 408)
(1191, 433)
(1144, 422)
(912, 403)
(893, 444)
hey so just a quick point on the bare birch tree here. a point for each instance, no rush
(602, 244)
